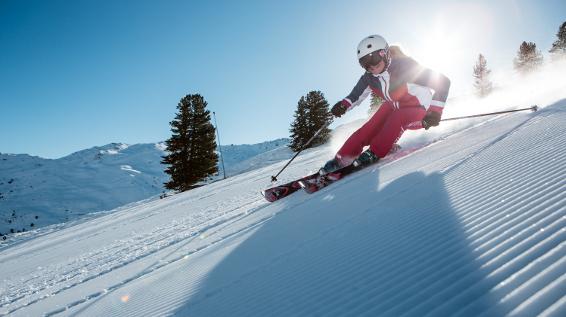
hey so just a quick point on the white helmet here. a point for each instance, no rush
(369, 45)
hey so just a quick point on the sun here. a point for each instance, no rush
(439, 50)
(453, 37)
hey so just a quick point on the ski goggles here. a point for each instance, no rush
(373, 58)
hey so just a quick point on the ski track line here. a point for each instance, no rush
(556, 309)
(101, 217)
(475, 218)
(524, 284)
(493, 276)
(222, 239)
(77, 271)
(286, 208)
(426, 282)
(96, 220)
(509, 238)
(537, 303)
(497, 216)
(495, 170)
(363, 278)
(504, 137)
(500, 219)
(506, 235)
(479, 187)
(467, 203)
(288, 252)
(315, 272)
(121, 284)
(500, 165)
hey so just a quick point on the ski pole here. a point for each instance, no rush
(274, 178)
(533, 108)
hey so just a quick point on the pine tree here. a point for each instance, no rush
(558, 49)
(319, 116)
(482, 83)
(312, 114)
(192, 147)
(528, 58)
(299, 132)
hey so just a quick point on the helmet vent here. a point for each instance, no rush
(369, 45)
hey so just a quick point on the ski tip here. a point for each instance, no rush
(268, 196)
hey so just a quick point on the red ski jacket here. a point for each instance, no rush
(405, 83)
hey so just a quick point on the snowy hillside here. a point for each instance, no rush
(237, 157)
(470, 224)
(35, 192)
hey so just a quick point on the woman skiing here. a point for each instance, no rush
(405, 86)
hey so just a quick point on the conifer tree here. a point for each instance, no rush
(528, 59)
(319, 116)
(482, 82)
(312, 114)
(299, 127)
(192, 147)
(558, 49)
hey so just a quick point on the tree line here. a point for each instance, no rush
(192, 157)
(528, 60)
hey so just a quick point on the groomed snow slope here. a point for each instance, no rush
(472, 224)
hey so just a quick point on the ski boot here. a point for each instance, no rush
(365, 159)
(330, 166)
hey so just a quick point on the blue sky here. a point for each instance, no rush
(76, 74)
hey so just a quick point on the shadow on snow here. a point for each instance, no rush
(353, 249)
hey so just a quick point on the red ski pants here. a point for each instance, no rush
(382, 131)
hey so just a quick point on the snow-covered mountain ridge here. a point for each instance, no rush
(35, 192)
(472, 224)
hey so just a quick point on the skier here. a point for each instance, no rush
(405, 86)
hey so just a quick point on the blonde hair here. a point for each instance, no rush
(395, 51)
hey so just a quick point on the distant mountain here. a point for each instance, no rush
(245, 157)
(35, 192)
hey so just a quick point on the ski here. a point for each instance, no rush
(275, 193)
(317, 183)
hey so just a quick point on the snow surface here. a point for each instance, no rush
(471, 224)
(36, 192)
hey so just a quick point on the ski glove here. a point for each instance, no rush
(432, 119)
(338, 109)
